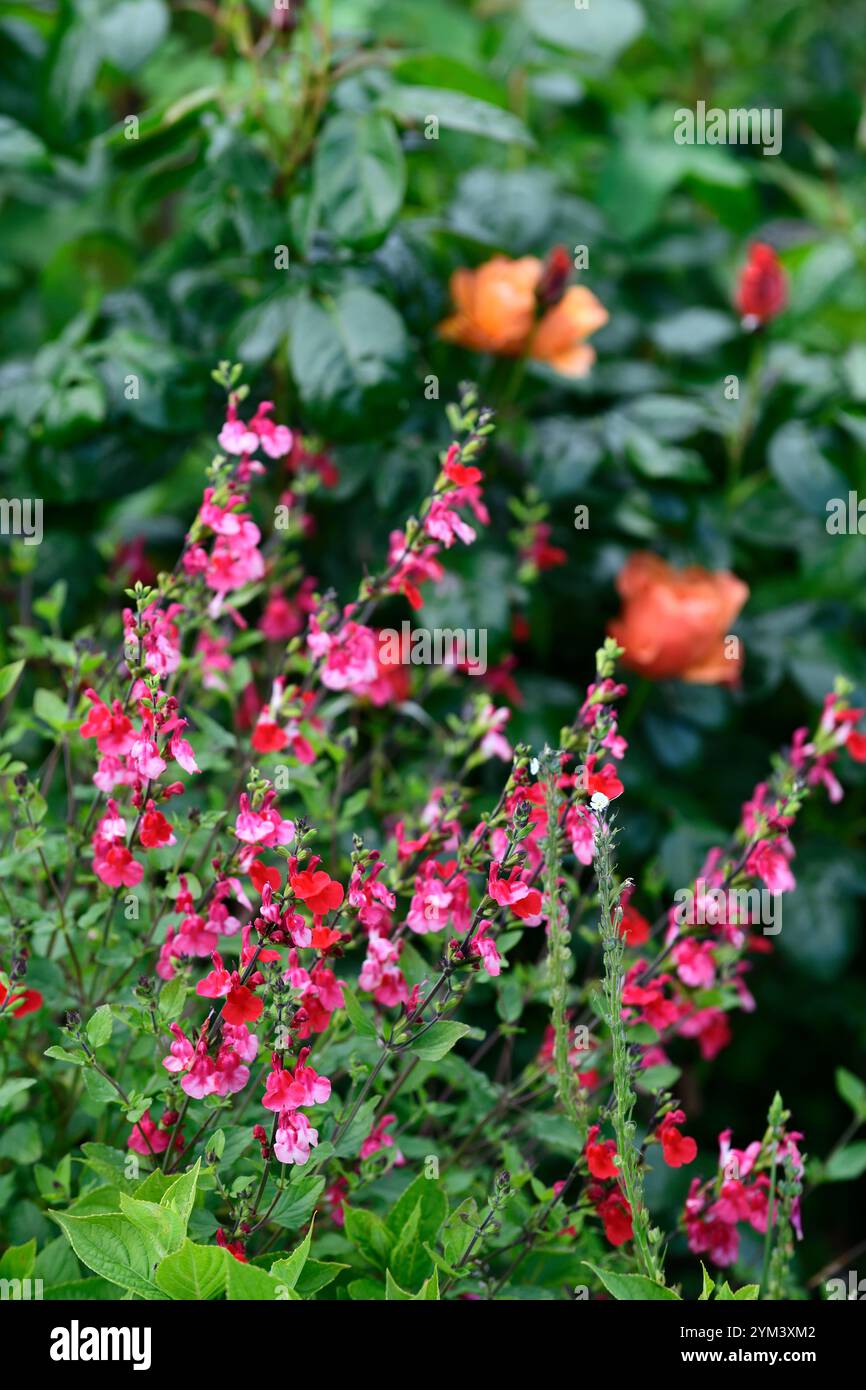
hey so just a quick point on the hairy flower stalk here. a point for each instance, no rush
(559, 958)
(786, 1185)
(628, 1153)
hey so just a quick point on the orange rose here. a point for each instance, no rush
(496, 311)
(495, 306)
(674, 622)
(558, 339)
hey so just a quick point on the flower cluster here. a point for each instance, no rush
(739, 1194)
(285, 1092)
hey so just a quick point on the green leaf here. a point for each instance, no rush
(846, 1164)
(18, 1261)
(632, 1287)
(21, 1143)
(162, 1228)
(317, 1274)
(693, 332)
(8, 676)
(659, 1077)
(131, 31)
(459, 1230)
(360, 1021)
(428, 1291)
(72, 1290)
(367, 1290)
(180, 1194)
(438, 1040)
(708, 1285)
(247, 1283)
(427, 1196)
(115, 1249)
(599, 30)
(298, 1202)
(13, 1086)
(347, 354)
(99, 1026)
(455, 111)
(801, 470)
(850, 1088)
(350, 1144)
(105, 1161)
(289, 1271)
(369, 1235)
(172, 998)
(408, 1260)
(78, 1058)
(359, 177)
(195, 1273)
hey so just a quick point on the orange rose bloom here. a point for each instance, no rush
(496, 308)
(674, 622)
(558, 339)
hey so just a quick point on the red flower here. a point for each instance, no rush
(600, 1157)
(263, 873)
(464, 475)
(856, 745)
(677, 1148)
(155, 829)
(318, 890)
(615, 1213)
(242, 1006)
(762, 292)
(325, 937)
(604, 781)
(268, 737)
(530, 906)
(234, 1247)
(634, 927)
(23, 1001)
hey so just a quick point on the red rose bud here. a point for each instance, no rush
(554, 277)
(762, 291)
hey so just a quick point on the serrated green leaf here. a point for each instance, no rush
(632, 1287)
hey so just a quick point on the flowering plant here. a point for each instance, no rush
(266, 976)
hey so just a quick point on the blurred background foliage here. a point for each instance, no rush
(154, 157)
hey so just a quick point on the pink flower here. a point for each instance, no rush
(710, 1027)
(481, 945)
(440, 899)
(351, 657)
(294, 1137)
(114, 865)
(264, 826)
(110, 727)
(580, 828)
(494, 744)
(769, 862)
(236, 437)
(446, 525)
(373, 902)
(377, 1140)
(276, 440)
(286, 1090)
(181, 751)
(695, 964)
(148, 1138)
(411, 568)
(380, 973)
